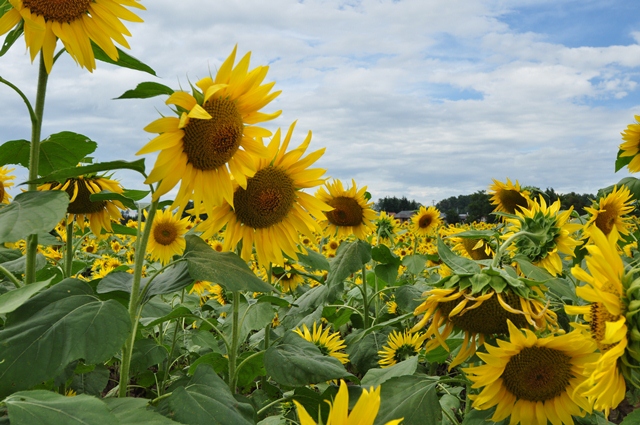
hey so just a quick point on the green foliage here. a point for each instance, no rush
(124, 60)
(413, 398)
(147, 90)
(395, 204)
(32, 212)
(63, 174)
(350, 258)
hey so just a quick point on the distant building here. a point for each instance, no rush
(405, 215)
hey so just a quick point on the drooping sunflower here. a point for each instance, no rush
(76, 23)
(474, 248)
(426, 221)
(386, 226)
(606, 315)
(363, 413)
(351, 213)
(271, 210)
(533, 379)
(547, 233)
(611, 212)
(631, 145)
(5, 182)
(212, 139)
(167, 236)
(399, 347)
(99, 213)
(329, 343)
(508, 197)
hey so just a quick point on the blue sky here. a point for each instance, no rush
(419, 98)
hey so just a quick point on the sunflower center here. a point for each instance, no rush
(165, 233)
(211, 143)
(537, 373)
(2, 191)
(511, 200)
(404, 352)
(425, 221)
(606, 220)
(346, 212)
(475, 253)
(83, 203)
(267, 200)
(58, 10)
(489, 317)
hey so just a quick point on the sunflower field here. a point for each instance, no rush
(251, 288)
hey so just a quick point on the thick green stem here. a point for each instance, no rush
(10, 276)
(134, 300)
(235, 335)
(365, 299)
(34, 159)
(69, 251)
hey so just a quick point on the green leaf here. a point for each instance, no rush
(147, 353)
(375, 377)
(47, 408)
(18, 266)
(382, 254)
(13, 35)
(111, 196)
(176, 313)
(251, 369)
(387, 273)
(32, 212)
(66, 173)
(314, 260)
(415, 263)
(413, 398)
(632, 418)
(223, 268)
(363, 354)
(67, 322)
(15, 152)
(13, 299)
(482, 417)
(255, 316)
(458, 264)
(350, 258)
(135, 411)
(92, 382)
(119, 229)
(63, 150)
(146, 90)
(124, 60)
(622, 161)
(478, 282)
(206, 400)
(631, 182)
(296, 362)
(408, 297)
(450, 403)
(439, 354)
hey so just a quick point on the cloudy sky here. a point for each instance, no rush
(419, 98)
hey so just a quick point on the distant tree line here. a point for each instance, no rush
(395, 204)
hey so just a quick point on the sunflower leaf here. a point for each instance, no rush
(146, 90)
(375, 377)
(105, 195)
(622, 161)
(413, 398)
(350, 258)
(32, 212)
(124, 60)
(13, 35)
(135, 411)
(459, 265)
(632, 183)
(66, 173)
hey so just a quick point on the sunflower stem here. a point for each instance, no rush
(69, 251)
(134, 299)
(34, 159)
(365, 300)
(233, 352)
(11, 277)
(505, 245)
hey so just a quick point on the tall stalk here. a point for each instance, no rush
(34, 159)
(235, 333)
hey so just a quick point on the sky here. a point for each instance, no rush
(426, 99)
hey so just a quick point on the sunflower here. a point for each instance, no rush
(351, 213)
(287, 276)
(474, 248)
(201, 148)
(328, 343)
(479, 316)
(386, 226)
(76, 22)
(610, 212)
(533, 379)
(425, 221)
(547, 233)
(271, 210)
(508, 197)
(604, 290)
(5, 182)
(99, 213)
(631, 145)
(364, 412)
(400, 346)
(167, 236)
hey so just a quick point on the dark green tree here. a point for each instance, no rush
(395, 204)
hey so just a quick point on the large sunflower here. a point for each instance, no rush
(99, 213)
(605, 314)
(508, 197)
(76, 23)
(167, 236)
(533, 379)
(611, 212)
(631, 145)
(425, 221)
(364, 412)
(329, 343)
(547, 232)
(351, 213)
(202, 148)
(270, 209)
(5, 182)
(399, 347)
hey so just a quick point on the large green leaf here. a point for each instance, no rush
(13, 299)
(632, 183)
(207, 400)
(47, 408)
(67, 322)
(375, 377)
(66, 173)
(296, 362)
(351, 257)
(363, 351)
(146, 90)
(91, 382)
(415, 263)
(413, 398)
(32, 212)
(13, 35)
(223, 268)
(456, 263)
(135, 411)
(314, 260)
(121, 197)
(124, 60)
(19, 265)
